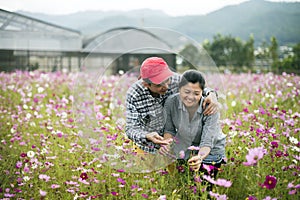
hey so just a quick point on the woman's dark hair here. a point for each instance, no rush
(192, 76)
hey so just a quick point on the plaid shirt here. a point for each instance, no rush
(145, 113)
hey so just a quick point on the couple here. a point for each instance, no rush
(167, 113)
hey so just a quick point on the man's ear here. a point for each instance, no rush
(145, 84)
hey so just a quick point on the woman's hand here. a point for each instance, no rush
(195, 163)
(213, 106)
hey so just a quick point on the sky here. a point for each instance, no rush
(170, 7)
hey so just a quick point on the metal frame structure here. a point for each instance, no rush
(127, 47)
(27, 43)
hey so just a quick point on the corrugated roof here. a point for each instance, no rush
(17, 22)
(125, 40)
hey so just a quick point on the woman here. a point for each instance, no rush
(188, 126)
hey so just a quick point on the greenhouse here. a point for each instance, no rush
(27, 44)
(124, 48)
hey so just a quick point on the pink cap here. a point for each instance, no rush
(155, 69)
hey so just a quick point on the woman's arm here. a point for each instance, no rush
(209, 131)
(195, 161)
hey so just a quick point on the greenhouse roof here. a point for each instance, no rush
(127, 40)
(11, 21)
(19, 32)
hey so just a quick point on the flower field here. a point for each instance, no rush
(61, 138)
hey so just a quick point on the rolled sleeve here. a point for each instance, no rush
(210, 130)
(133, 127)
(169, 125)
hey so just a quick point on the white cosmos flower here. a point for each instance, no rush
(294, 148)
(40, 89)
(30, 154)
(293, 140)
(233, 103)
(75, 197)
(64, 115)
(44, 150)
(12, 130)
(28, 116)
(34, 166)
(26, 178)
(11, 87)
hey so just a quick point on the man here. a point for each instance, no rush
(145, 100)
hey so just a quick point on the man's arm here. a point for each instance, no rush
(210, 103)
(134, 126)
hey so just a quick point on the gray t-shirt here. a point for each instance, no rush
(206, 128)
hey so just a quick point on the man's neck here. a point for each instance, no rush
(154, 94)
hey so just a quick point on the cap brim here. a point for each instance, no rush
(161, 77)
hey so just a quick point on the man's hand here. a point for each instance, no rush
(213, 104)
(195, 163)
(157, 139)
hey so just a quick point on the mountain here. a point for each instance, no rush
(260, 18)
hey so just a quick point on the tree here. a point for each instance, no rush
(190, 55)
(229, 51)
(292, 62)
(249, 52)
(296, 60)
(274, 52)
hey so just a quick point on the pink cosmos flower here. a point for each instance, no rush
(54, 186)
(246, 110)
(43, 193)
(84, 176)
(23, 155)
(26, 169)
(44, 177)
(269, 198)
(83, 181)
(71, 183)
(274, 144)
(122, 181)
(181, 154)
(270, 182)
(219, 181)
(292, 192)
(208, 168)
(162, 197)
(194, 148)
(153, 190)
(114, 193)
(9, 195)
(254, 155)
(19, 164)
(197, 179)
(218, 196)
